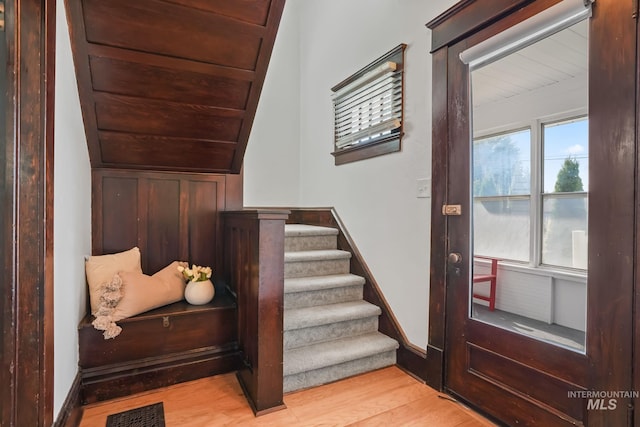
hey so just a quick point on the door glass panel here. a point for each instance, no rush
(530, 189)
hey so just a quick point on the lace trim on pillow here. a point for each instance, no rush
(110, 296)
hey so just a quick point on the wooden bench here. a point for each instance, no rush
(175, 343)
(492, 278)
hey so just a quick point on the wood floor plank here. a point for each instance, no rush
(382, 398)
(428, 411)
(338, 397)
(343, 411)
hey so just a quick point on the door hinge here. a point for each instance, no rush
(634, 13)
(630, 414)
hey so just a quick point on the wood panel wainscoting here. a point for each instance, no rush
(409, 357)
(169, 216)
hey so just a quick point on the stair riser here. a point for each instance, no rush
(338, 372)
(322, 297)
(309, 243)
(315, 334)
(315, 268)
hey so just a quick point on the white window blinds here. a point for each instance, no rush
(368, 105)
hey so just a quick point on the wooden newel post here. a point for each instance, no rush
(253, 268)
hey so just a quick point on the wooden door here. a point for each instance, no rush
(518, 379)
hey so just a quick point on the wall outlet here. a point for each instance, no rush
(424, 188)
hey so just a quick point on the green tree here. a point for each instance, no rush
(568, 179)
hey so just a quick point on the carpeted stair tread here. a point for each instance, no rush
(333, 373)
(297, 230)
(307, 317)
(316, 283)
(316, 263)
(318, 255)
(335, 352)
(323, 296)
(296, 338)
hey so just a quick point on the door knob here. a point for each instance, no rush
(454, 258)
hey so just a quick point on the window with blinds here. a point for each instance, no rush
(368, 109)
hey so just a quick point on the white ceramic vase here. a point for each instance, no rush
(198, 293)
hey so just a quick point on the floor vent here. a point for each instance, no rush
(145, 416)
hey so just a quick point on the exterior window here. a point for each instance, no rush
(368, 111)
(564, 199)
(502, 195)
(530, 194)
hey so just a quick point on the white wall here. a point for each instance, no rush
(375, 198)
(272, 157)
(72, 217)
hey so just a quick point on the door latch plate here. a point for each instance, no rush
(451, 210)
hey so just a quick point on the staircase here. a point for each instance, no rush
(330, 332)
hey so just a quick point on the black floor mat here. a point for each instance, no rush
(145, 416)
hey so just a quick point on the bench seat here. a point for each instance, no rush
(175, 343)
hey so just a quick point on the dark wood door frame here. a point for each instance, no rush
(26, 214)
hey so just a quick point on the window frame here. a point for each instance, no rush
(537, 193)
(384, 144)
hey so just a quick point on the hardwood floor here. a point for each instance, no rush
(387, 397)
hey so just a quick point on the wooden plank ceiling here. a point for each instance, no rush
(171, 84)
(557, 59)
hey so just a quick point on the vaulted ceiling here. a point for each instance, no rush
(171, 84)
